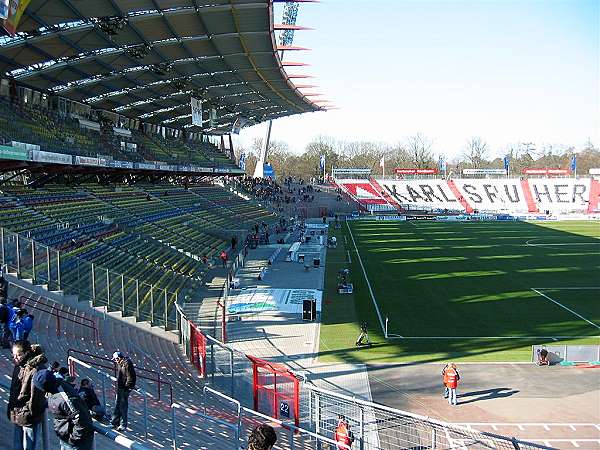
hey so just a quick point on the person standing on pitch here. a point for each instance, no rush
(364, 334)
(126, 379)
(451, 378)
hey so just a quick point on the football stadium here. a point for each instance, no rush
(164, 285)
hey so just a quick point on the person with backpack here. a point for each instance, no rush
(72, 420)
(451, 378)
(343, 436)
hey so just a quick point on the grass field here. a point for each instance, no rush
(478, 291)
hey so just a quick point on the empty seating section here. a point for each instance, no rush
(243, 212)
(48, 130)
(61, 134)
(133, 248)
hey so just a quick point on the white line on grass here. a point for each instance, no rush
(563, 306)
(396, 336)
(565, 288)
(367, 280)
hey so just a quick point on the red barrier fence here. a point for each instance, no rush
(107, 363)
(60, 314)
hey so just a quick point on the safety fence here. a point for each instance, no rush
(277, 392)
(378, 427)
(73, 275)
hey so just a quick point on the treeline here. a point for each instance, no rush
(415, 152)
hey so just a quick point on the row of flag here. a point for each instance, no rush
(442, 163)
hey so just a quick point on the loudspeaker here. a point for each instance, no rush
(309, 310)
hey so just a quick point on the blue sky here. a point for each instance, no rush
(508, 71)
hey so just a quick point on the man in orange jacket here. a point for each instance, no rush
(451, 378)
(343, 436)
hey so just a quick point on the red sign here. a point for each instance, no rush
(546, 171)
(400, 171)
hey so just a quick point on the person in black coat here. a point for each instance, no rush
(72, 420)
(126, 379)
(88, 395)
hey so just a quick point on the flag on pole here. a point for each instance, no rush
(243, 161)
(442, 164)
(322, 162)
(506, 164)
(382, 161)
(574, 163)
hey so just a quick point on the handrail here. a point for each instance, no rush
(71, 361)
(61, 314)
(113, 367)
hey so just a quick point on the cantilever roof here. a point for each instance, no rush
(144, 58)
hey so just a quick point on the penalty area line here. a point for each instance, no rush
(568, 309)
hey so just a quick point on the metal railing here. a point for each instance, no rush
(152, 376)
(73, 275)
(39, 305)
(379, 427)
(73, 362)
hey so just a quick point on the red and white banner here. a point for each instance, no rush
(546, 171)
(400, 171)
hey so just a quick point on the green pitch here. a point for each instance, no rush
(478, 291)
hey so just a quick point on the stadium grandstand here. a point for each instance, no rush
(127, 225)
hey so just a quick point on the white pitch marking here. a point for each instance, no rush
(494, 427)
(367, 280)
(575, 443)
(397, 336)
(566, 288)
(573, 427)
(521, 427)
(546, 427)
(568, 309)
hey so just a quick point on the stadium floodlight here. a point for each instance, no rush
(286, 38)
(112, 25)
(290, 14)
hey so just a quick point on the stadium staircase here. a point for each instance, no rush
(153, 353)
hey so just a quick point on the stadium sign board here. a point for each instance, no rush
(222, 170)
(202, 169)
(87, 161)
(14, 153)
(352, 171)
(484, 172)
(546, 171)
(403, 171)
(120, 164)
(51, 157)
(145, 166)
(594, 171)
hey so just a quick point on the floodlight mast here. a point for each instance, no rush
(286, 37)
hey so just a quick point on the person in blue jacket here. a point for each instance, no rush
(21, 325)
(27, 324)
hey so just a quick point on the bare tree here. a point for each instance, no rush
(476, 152)
(419, 149)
